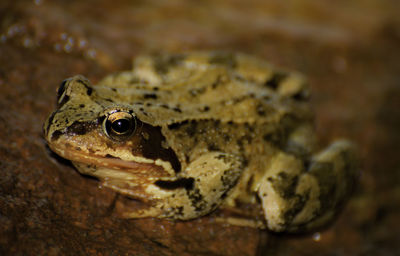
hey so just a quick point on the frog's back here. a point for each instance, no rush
(229, 87)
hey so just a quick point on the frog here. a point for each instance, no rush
(191, 134)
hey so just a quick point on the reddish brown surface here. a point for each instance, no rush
(349, 50)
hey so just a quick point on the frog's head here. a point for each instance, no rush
(97, 134)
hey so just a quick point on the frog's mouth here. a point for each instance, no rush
(136, 166)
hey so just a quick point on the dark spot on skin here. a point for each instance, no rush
(275, 138)
(109, 100)
(205, 109)
(187, 158)
(226, 137)
(240, 99)
(268, 137)
(178, 211)
(297, 204)
(266, 97)
(152, 147)
(164, 106)
(261, 110)
(110, 156)
(226, 59)
(64, 100)
(176, 109)
(113, 89)
(223, 157)
(297, 149)
(89, 90)
(196, 199)
(175, 126)
(249, 127)
(155, 89)
(134, 80)
(245, 163)
(150, 96)
(81, 105)
(191, 129)
(81, 128)
(301, 96)
(216, 123)
(50, 121)
(275, 80)
(213, 147)
(163, 63)
(148, 104)
(56, 135)
(306, 164)
(323, 172)
(288, 185)
(61, 88)
(186, 183)
(285, 186)
(226, 179)
(239, 142)
(224, 195)
(197, 91)
(248, 138)
(217, 82)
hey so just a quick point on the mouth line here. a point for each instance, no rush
(107, 161)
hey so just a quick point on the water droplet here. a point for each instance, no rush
(70, 41)
(3, 38)
(82, 43)
(64, 36)
(28, 43)
(316, 237)
(57, 47)
(91, 53)
(67, 48)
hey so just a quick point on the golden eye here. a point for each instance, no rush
(119, 125)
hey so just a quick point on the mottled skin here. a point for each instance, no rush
(207, 130)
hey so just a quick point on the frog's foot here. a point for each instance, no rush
(295, 199)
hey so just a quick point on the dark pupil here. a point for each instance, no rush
(121, 125)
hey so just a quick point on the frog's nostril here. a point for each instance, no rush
(61, 89)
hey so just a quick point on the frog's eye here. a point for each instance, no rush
(119, 125)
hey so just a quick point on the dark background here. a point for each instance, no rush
(349, 49)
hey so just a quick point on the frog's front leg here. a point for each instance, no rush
(297, 196)
(198, 190)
